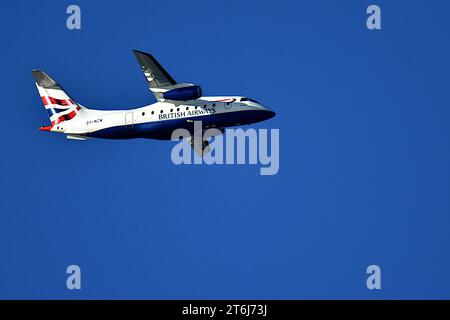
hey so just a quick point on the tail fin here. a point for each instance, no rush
(60, 107)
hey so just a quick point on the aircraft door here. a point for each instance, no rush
(129, 119)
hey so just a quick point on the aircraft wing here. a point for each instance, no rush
(157, 77)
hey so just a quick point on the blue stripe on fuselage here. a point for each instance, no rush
(162, 130)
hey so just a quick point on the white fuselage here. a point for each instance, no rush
(158, 119)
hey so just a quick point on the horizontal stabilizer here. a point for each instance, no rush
(76, 137)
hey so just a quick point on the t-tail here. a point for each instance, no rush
(60, 107)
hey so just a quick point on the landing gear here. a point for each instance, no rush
(200, 147)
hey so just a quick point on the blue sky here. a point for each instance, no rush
(364, 153)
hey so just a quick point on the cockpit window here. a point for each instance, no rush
(249, 99)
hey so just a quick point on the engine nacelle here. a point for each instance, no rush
(184, 93)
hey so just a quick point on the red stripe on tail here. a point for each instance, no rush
(47, 128)
(66, 117)
(44, 100)
(60, 102)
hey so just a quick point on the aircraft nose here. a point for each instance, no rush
(271, 114)
(263, 113)
(268, 113)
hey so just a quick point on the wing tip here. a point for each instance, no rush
(139, 52)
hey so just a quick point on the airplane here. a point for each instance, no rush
(178, 106)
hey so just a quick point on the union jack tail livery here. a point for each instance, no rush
(60, 107)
